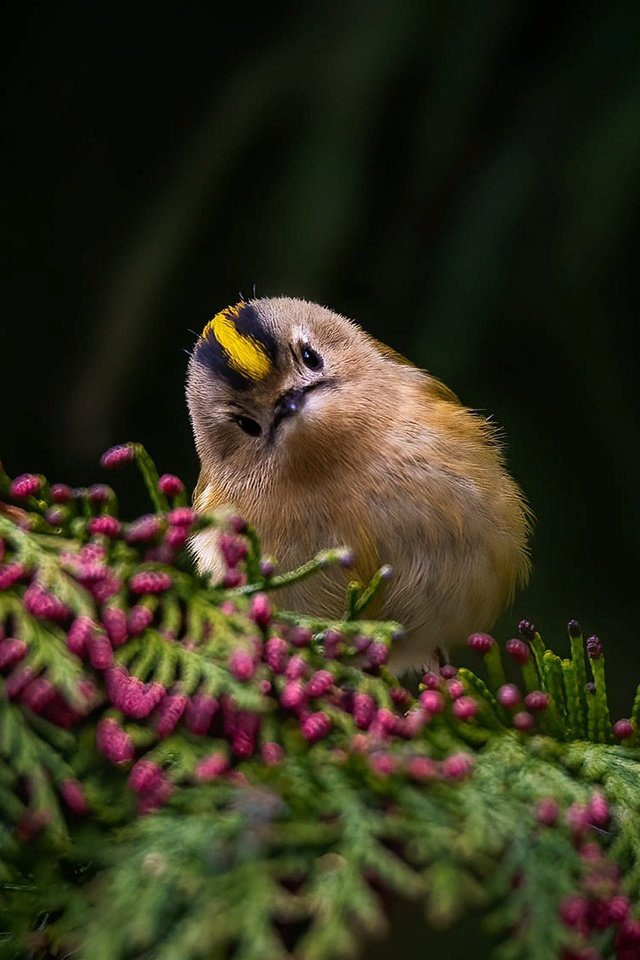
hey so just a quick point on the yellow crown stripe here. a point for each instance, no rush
(245, 354)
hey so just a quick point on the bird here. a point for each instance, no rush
(318, 436)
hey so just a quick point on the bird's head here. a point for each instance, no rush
(277, 383)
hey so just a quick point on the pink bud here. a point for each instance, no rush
(387, 721)
(293, 695)
(233, 549)
(37, 694)
(599, 813)
(508, 695)
(78, 635)
(594, 647)
(11, 573)
(233, 578)
(150, 581)
(628, 940)
(523, 721)
(480, 642)
(316, 726)
(73, 795)
(547, 811)
(140, 617)
(422, 768)
(199, 713)
(59, 712)
(448, 671)
(56, 516)
(156, 796)
(319, 684)
(455, 688)
(112, 740)
(272, 754)
(243, 744)
(106, 525)
(359, 743)
(464, 708)
(432, 701)
(170, 485)
(573, 911)
(26, 485)
(12, 650)
(300, 636)
(377, 654)
(260, 611)
(267, 568)
(457, 766)
(99, 493)
(519, 650)
(364, 708)
(181, 517)
(619, 907)
(536, 700)
(44, 605)
(144, 775)
(276, 654)
(17, 680)
(211, 767)
(115, 623)
(105, 588)
(116, 456)
(383, 764)
(176, 537)
(296, 668)
(100, 651)
(61, 493)
(241, 665)
(400, 696)
(129, 694)
(622, 729)
(361, 642)
(431, 680)
(414, 721)
(331, 644)
(170, 711)
(238, 524)
(144, 529)
(577, 817)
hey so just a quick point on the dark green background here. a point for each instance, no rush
(462, 178)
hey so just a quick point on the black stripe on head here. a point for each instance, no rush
(236, 347)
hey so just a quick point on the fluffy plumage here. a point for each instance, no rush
(357, 447)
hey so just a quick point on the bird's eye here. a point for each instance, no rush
(311, 359)
(249, 426)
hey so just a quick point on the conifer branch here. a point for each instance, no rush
(188, 772)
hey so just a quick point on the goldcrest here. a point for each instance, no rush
(320, 436)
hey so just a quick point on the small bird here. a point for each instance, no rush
(320, 436)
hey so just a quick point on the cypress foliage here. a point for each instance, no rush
(188, 772)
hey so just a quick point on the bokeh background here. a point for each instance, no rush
(462, 178)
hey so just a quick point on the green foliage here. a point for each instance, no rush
(185, 773)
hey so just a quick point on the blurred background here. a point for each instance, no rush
(463, 179)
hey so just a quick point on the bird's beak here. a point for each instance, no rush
(288, 405)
